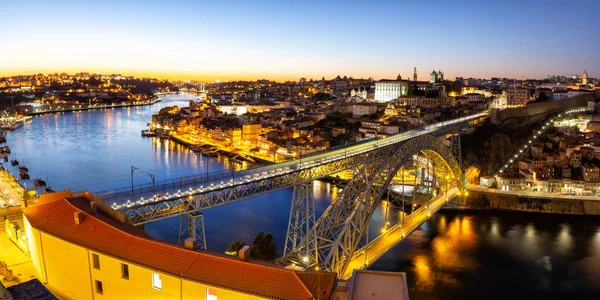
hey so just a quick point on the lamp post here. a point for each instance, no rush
(345, 149)
(403, 212)
(133, 169)
(447, 177)
(207, 162)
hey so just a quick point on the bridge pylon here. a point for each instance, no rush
(301, 237)
(194, 228)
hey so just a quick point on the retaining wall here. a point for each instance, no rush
(539, 110)
(483, 200)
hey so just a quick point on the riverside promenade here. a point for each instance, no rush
(526, 201)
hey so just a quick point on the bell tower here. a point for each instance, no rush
(415, 74)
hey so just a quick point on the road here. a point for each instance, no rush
(530, 194)
(11, 191)
(395, 234)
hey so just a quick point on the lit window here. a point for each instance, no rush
(96, 260)
(125, 271)
(99, 289)
(156, 282)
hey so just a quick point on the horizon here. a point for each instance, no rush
(187, 40)
(257, 79)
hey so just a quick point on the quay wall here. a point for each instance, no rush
(495, 201)
(539, 110)
(31, 111)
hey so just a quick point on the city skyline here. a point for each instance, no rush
(202, 41)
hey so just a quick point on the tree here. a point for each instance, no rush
(264, 247)
(235, 247)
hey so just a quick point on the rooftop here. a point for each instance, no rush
(101, 233)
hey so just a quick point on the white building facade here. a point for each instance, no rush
(386, 90)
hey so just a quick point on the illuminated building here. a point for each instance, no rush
(82, 248)
(389, 89)
(584, 78)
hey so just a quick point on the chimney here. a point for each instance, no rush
(190, 243)
(78, 217)
(94, 207)
(244, 253)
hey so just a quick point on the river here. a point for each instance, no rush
(466, 255)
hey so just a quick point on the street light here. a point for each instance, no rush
(133, 169)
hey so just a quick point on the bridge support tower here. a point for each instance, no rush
(194, 228)
(301, 237)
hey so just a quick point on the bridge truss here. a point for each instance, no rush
(341, 227)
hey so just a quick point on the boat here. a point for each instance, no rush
(24, 175)
(2, 136)
(12, 125)
(23, 169)
(49, 190)
(14, 162)
(5, 149)
(39, 182)
(147, 132)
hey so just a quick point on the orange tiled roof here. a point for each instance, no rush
(57, 218)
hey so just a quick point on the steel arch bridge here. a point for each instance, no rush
(331, 243)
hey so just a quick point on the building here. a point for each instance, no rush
(516, 97)
(436, 76)
(590, 172)
(387, 89)
(584, 77)
(85, 250)
(362, 109)
(536, 150)
(560, 94)
(250, 132)
(360, 93)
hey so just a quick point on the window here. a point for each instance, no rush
(125, 271)
(96, 259)
(211, 294)
(99, 289)
(156, 282)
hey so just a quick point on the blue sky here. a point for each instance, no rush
(285, 40)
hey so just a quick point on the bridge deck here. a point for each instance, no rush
(395, 234)
(145, 195)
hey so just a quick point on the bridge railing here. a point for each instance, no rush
(170, 184)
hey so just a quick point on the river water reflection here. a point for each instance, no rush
(454, 255)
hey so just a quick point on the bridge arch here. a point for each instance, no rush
(338, 232)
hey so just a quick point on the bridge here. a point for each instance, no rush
(368, 254)
(331, 242)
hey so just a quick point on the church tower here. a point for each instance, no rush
(415, 74)
(584, 77)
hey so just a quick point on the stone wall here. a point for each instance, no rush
(483, 200)
(539, 110)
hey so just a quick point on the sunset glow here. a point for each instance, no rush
(206, 41)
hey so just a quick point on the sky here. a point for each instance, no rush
(286, 40)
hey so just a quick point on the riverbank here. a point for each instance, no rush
(482, 200)
(187, 142)
(83, 107)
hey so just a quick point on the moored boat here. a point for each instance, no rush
(147, 132)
